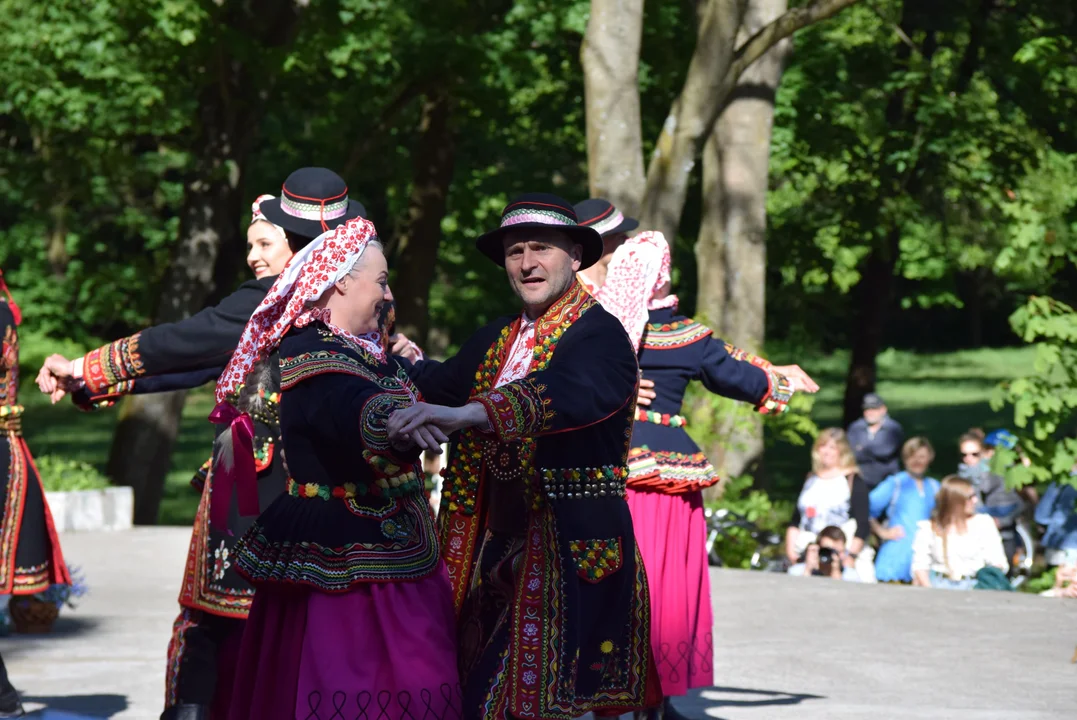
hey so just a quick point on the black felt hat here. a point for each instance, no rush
(604, 217)
(312, 201)
(541, 210)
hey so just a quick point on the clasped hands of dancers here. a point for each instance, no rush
(529, 597)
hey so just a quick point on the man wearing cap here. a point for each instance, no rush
(214, 599)
(550, 594)
(876, 439)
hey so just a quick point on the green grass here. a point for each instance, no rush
(939, 396)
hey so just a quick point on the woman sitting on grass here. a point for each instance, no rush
(906, 499)
(957, 543)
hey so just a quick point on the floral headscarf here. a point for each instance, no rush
(309, 273)
(638, 270)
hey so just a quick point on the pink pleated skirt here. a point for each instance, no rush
(671, 535)
(382, 650)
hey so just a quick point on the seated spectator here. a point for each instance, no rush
(834, 494)
(1001, 503)
(827, 557)
(957, 542)
(876, 441)
(1057, 512)
(905, 499)
(970, 448)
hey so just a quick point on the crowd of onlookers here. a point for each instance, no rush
(869, 511)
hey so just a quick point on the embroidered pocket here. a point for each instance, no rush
(596, 559)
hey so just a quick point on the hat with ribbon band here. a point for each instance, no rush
(604, 217)
(291, 301)
(313, 200)
(541, 210)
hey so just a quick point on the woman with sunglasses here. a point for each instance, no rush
(957, 542)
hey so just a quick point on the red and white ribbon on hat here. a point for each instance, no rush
(257, 215)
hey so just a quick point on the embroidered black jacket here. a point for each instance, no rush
(354, 510)
(580, 619)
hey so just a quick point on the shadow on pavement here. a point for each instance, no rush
(713, 698)
(74, 707)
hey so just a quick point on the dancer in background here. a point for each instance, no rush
(30, 556)
(667, 470)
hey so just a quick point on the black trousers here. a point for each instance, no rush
(194, 672)
(5, 684)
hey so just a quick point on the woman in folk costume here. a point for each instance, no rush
(30, 557)
(352, 609)
(214, 599)
(667, 472)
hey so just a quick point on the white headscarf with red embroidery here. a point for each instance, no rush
(306, 277)
(638, 270)
(256, 213)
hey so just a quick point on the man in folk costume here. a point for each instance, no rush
(667, 470)
(214, 600)
(30, 557)
(550, 594)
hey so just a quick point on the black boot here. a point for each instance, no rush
(10, 705)
(669, 712)
(186, 712)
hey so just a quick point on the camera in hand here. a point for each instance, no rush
(828, 557)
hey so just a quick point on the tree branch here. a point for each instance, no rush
(772, 34)
(367, 141)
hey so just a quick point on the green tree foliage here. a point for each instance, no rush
(1042, 252)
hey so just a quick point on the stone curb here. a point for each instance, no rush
(90, 510)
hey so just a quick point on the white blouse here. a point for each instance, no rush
(979, 546)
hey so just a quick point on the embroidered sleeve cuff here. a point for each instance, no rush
(515, 410)
(779, 393)
(89, 402)
(112, 364)
(744, 356)
(374, 419)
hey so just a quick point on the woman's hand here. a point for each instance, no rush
(447, 420)
(791, 545)
(646, 392)
(893, 533)
(56, 377)
(404, 347)
(801, 381)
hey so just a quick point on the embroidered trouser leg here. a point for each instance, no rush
(485, 627)
(194, 673)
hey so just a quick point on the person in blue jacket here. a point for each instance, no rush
(905, 499)
(1057, 512)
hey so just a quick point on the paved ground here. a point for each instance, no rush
(787, 647)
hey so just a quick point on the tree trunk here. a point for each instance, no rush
(712, 76)
(872, 298)
(231, 106)
(610, 58)
(874, 293)
(731, 249)
(418, 241)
